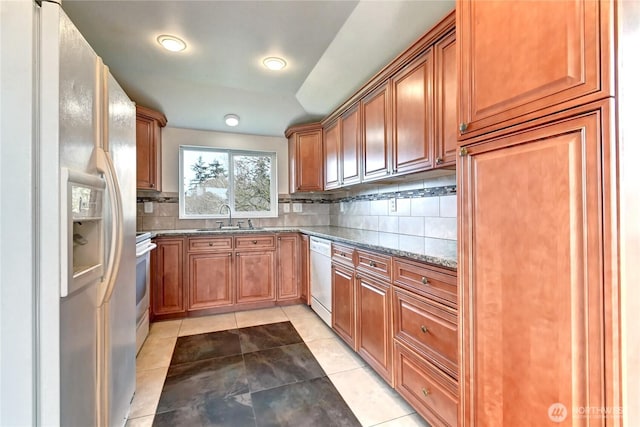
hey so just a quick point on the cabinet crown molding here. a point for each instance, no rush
(151, 114)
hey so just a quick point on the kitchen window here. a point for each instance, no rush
(211, 178)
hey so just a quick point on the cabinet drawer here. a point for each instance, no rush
(428, 327)
(342, 254)
(435, 283)
(202, 244)
(258, 241)
(430, 392)
(376, 264)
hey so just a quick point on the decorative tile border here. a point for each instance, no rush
(447, 190)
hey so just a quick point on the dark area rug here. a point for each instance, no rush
(258, 376)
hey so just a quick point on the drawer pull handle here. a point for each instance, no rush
(425, 281)
(372, 263)
(426, 392)
(424, 329)
(343, 254)
(254, 242)
(210, 244)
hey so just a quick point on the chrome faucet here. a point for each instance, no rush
(229, 208)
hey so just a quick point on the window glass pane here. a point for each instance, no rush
(205, 181)
(252, 183)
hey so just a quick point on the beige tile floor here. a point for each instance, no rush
(372, 401)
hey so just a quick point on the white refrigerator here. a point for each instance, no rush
(87, 126)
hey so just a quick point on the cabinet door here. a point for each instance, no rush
(210, 280)
(305, 292)
(413, 120)
(350, 147)
(343, 318)
(147, 154)
(532, 273)
(519, 61)
(167, 277)
(332, 155)
(288, 250)
(255, 276)
(305, 149)
(376, 134)
(446, 99)
(373, 314)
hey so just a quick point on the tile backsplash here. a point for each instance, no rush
(422, 208)
(426, 208)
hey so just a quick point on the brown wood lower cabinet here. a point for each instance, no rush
(537, 315)
(433, 394)
(255, 276)
(343, 315)
(168, 277)
(210, 280)
(373, 332)
(427, 326)
(207, 274)
(288, 266)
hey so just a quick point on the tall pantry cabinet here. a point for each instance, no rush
(536, 171)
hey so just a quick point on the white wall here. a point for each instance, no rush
(173, 138)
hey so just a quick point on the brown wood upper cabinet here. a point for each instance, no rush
(305, 158)
(149, 148)
(350, 146)
(446, 99)
(412, 116)
(342, 147)
(376, 134)
(331, 156)
(500, 41)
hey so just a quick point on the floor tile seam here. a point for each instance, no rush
(292, 383)
(202, 360)
(272, 348)
(392, 419)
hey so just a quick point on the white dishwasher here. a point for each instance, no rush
(321, 278)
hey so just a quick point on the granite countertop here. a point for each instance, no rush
(439, 252)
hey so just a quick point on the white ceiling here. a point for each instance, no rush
(332, 48)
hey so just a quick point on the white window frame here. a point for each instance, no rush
(273, 213)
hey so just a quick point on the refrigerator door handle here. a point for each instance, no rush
(105, 165)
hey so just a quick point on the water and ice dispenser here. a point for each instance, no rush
(82, 230)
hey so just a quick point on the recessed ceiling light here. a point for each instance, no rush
(274, 63)
(231, 120)
(172, 43)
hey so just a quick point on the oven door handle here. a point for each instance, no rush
(146, 250)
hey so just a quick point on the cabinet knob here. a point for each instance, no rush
(372, 263)
(424, 329)
(425, 281)
(343, 254)
(438, 160)
(426, 392)
(210, 244)
(254, 242)
(279, 238)
(152, 185)
(463, 127)
(229, 253)
(463, 152)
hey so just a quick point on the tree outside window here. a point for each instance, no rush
(212, 178)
